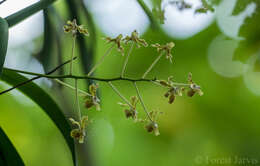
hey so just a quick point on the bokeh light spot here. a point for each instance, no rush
(228, 23)
(251, 78)
(220, 57)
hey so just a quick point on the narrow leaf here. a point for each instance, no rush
(47, 104)
(8, 154)
(28, 11)
(45, 55)
(3, 42)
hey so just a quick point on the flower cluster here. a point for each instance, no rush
(72, 27)
(79, 132)
(118, 41)
(135, 38)
(152, 125)
(92, 99)
(175, 89)
(131, 112)
(193, 88)
(167, 48)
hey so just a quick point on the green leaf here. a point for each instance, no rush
(8, 154)
(45, 55)
(3, 42)
(28, 11)
(47, 104)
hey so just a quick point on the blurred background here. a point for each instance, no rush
(221, 48)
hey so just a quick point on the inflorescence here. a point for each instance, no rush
(150, 121)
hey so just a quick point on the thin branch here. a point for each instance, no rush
(152, 65)
(35, 78)
(72, 54)
(126, 60)
(77, 99)
(173, 83)
(119, 94)
(71, 87)
(101, 60)
(142, 102)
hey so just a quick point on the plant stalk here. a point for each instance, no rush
(119, 94)
(126, 60)
(71, 87)
(77, 99)
(101, 60)
(72, 54)
(152, 65)
(142, 102)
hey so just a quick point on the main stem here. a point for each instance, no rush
(101, 60)
(82, 77)
(142, 102)
(127, 57)
(72, 54)
(152, 65)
